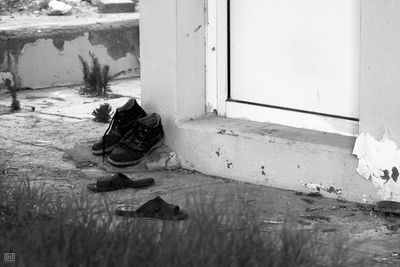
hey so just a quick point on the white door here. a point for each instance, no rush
(300, 56)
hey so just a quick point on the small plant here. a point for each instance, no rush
(102, 113)
(15, 105)
(95, 77)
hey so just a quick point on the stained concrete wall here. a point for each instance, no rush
(40, 58)
(172, 34)
(377, 147)
(173, 74)
(380, 68)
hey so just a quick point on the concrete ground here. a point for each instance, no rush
(33, 143)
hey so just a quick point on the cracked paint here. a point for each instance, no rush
(118, 42)
(121, 45)
(225, 132)
(395, 174)
(195, 30)
(13, 45)
(327, 189)
(379, 161)
(229, 164)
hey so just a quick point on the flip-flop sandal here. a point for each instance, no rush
(118, 181)
(156, 208)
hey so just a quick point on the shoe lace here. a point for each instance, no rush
(115, 118)
(138, 136)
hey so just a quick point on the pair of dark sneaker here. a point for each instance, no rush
(131, 136)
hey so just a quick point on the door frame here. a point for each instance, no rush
(217, 60)
(218, 83)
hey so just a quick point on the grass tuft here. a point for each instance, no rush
(95, 77)
(15, 105)
(102, 113)
(46, 231)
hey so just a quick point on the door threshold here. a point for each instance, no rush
(296, 119)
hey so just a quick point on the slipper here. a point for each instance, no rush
(156, 208)
(118, 181)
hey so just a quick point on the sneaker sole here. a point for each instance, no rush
(135, 162)
(100, 152)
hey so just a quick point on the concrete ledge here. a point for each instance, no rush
(273, 155)
(46, 55)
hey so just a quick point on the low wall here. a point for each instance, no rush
(40, 57)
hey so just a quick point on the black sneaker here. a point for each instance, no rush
(123, 121)
(147, 134)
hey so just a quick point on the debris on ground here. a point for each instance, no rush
(313, 209)
(57, 8)
(273, 222)
(339, 207)
(45, 7)
(365, 208)
(388, 207)
(308, 201)
(393, 258)
(160, 159)
(314, 194)
(316, 218)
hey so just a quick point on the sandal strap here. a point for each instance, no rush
(118, 180)
(159, 208)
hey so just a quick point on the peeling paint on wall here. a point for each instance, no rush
(63, 45)
(229, 164)
(60, 39)
(263, 170)
(119, 42)
(379, 160)
(327, 189)
(6, 75)
(12, 46)
(226, 132)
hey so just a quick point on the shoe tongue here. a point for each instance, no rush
(128, 105)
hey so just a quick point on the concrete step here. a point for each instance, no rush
(273, 155)
(45, 54)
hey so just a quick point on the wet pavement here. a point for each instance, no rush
(33, 146)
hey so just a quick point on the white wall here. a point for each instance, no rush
(380, 68)
(172, 38)
(378, 147)
(173, 83)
